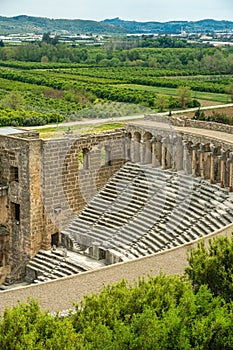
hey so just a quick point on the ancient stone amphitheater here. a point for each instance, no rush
(143, 192)
(171, 190)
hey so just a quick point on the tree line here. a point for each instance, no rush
(113, 55)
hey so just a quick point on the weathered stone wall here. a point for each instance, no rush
(66, 187)
(61, 294)
(20, 153)
(191, 123)
(45, 184)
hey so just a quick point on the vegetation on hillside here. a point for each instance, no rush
(193, 311)
(29, 24)
(215, 116)
(47, 81)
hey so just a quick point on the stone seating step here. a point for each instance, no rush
(49, 264)
(38, 266)
(47, 255)
(153, 243)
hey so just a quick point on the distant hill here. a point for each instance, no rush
(39, 25)
(29, 24)
(203, 26)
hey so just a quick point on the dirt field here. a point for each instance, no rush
(227, 111)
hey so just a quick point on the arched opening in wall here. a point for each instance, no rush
(55, 239)
(105, 156)
(148, 148)
(137, 142)
(83, 159)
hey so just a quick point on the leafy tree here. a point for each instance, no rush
(184, 95)
(44, 59)
(213, 267)
(49, 40)
(27, 327)
(161, 102)
(13, 100)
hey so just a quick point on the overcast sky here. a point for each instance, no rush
(139, 10)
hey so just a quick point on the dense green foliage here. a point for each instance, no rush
(213, 267)
(163, 312)
(118, 53)
(217, 117)
(53, 82)
(26, 327)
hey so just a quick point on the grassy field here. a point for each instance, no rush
(60, 131)
(208, 96)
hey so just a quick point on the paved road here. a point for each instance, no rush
(131, 117)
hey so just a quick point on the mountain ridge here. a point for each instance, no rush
(25, 24)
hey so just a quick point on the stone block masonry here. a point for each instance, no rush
(72, 173)
(43, 184)
(20, 206)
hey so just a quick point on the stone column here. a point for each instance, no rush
(163, 155)
(185, 157)
(194, 160)
(96, 250)
(212, 158)
(142, 152)
(222, 158)
(179, 156)
(132, 145)
(148, 152)
(230, 161)
(153, 160)
(136, 152)
(158, 150)
(127, 147)
(201, 159)
(169, 153)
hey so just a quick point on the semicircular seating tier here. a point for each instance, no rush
(144, 210)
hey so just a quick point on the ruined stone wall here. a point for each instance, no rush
(191, 123)
(46, 187)
(68, 183)
(20, 171)
(60, 294)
